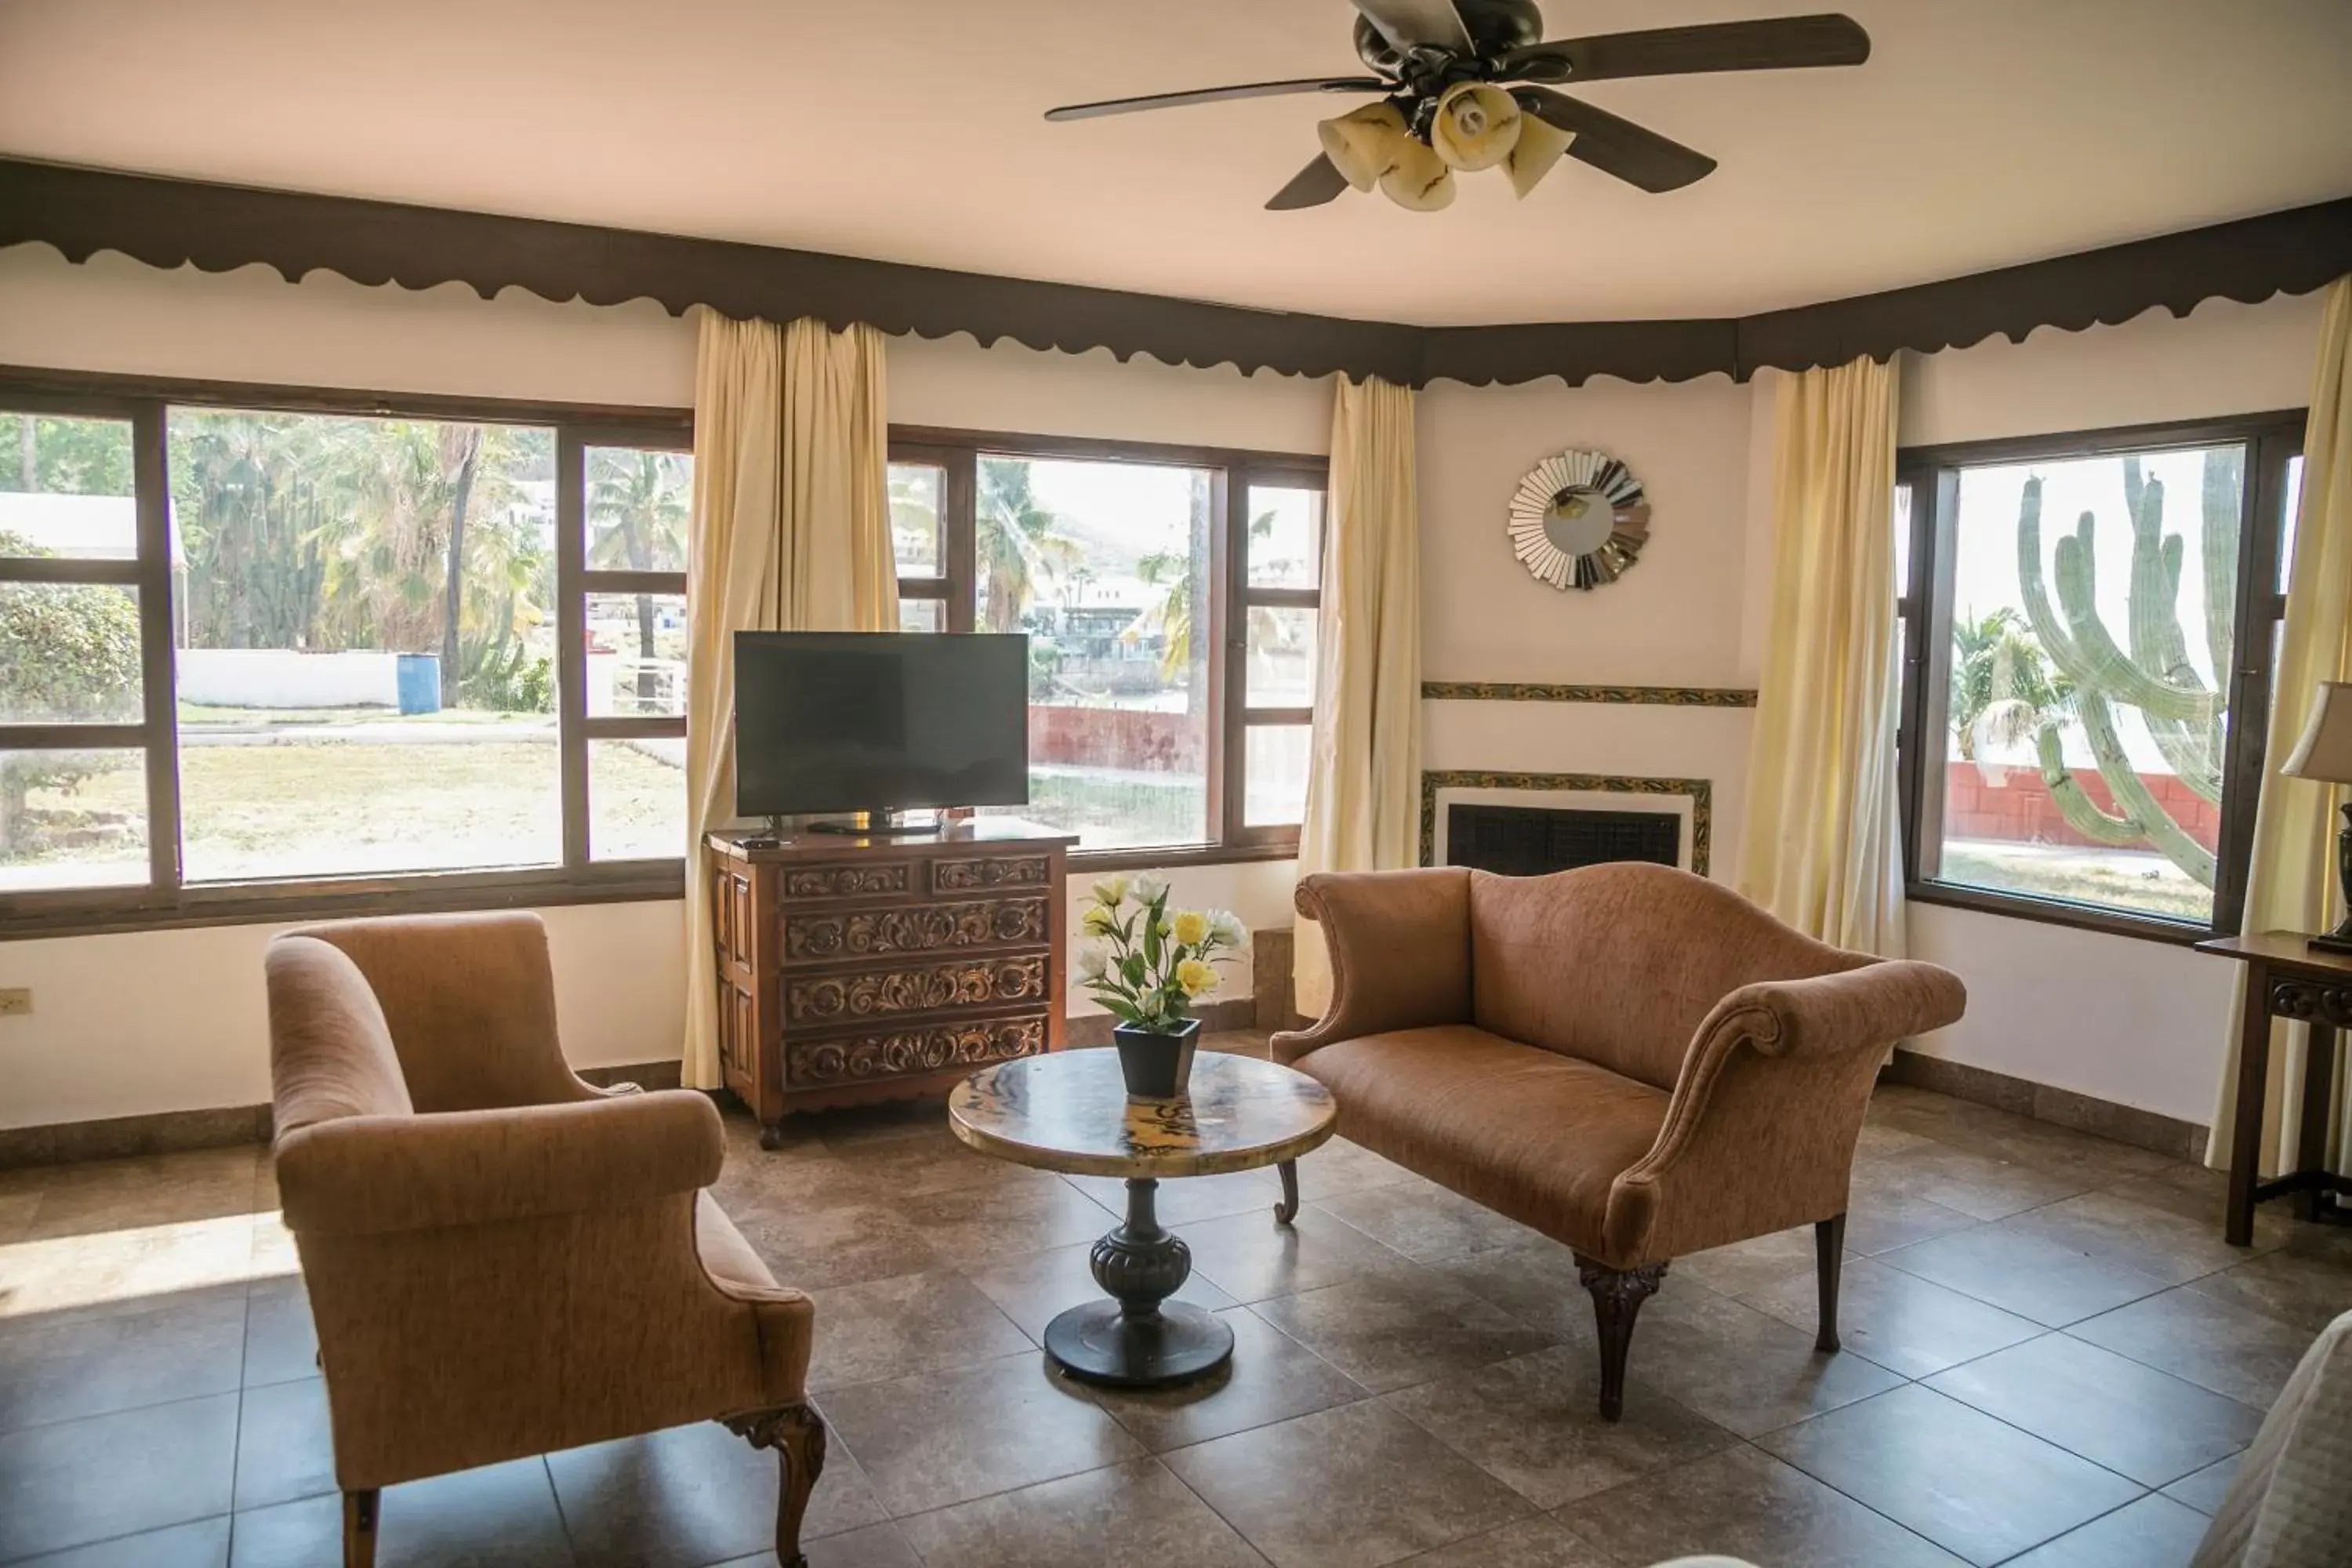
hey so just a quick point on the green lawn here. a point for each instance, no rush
(319, 807)
(2113, 878)
(337, 807)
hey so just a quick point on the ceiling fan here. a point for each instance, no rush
(1467, 84)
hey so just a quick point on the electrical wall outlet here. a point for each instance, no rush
(15, 999)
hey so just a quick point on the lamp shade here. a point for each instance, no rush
(2324, 753)
(1418, 180)
(1474, 127)
(1365, 144)
(1540, 146)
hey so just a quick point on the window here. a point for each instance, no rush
(78, 600)
(1170, 596)
(266, 650)
(335, 719)
(2088, 623)
(628, 614)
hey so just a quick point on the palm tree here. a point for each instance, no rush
(638, 503)
(2002, 685)
(1019, 542)
(1172, 615)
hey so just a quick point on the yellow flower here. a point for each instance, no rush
(1192, 927)
(1110, 891)
(1198, 978)
(1099, 920)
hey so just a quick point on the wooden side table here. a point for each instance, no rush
(2285, 978)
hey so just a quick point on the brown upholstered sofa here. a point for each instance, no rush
(1629, 1058)
(502, 1260)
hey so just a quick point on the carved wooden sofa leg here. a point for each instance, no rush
(1287, 1209)
(1829, 1257)
(796, 1433)
(1617, 1298)
(360, 1511)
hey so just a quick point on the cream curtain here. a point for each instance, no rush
(2291, 881)
(1822, 848)
(792, 532)
(1363, 778)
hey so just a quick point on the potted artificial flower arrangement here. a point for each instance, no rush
(1148, 967)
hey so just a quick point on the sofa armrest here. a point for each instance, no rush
(1400, 947)
(1759, 1134)
(361, 1175)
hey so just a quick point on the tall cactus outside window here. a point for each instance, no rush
(2150, 670)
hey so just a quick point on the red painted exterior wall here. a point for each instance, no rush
(1117, 738)
(2018, 806)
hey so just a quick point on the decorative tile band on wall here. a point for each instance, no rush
(1701, 792)
(1539, 691)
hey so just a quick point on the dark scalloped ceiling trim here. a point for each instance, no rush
(170, 223)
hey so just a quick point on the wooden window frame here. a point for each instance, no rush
(1232, 470)
(575, 581)
(1931, 473)
(166, 900)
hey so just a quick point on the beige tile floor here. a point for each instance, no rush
(2051, 1361)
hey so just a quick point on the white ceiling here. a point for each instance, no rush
(1981, 132)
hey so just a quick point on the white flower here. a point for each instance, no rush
(1148, 888)
(1226, 930)
(1109, 891)
(1093, 961)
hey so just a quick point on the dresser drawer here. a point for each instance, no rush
(869, 1057)
(983, 873)
(816, 884)
(828, 935)
(844, 998)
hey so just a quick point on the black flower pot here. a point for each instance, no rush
(1156, 1065)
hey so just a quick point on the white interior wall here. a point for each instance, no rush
(2141, 1023)
(1673, 620)
(170, 1020)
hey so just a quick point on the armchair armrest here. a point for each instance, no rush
(1400, 947)
(362, 1176)
(1759, 1134)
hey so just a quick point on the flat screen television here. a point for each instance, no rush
(836, 722)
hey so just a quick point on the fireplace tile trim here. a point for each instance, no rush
(1700, 791)
(1542, 691)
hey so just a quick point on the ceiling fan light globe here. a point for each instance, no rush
(1539, 146)
(1363, 145)
(1418, 180)
(1475, 126)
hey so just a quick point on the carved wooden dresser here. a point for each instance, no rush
(853, 969)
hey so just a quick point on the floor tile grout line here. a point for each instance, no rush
(2145, 1489)
(127, 1535)
(1858, 1502)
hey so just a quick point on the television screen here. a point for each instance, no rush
(832, 721)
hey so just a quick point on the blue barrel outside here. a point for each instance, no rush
(419, 679)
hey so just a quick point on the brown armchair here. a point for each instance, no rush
(503, 1259)
(1629, 1058)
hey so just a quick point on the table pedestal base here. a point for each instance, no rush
(1175, 1343)
(1140, 1339)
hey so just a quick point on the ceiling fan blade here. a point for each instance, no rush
(1408, 22)
(1220, 95)
(1616, 146)
(1779, 44)
(1313, 185)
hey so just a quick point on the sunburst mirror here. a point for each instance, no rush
(1579, 520)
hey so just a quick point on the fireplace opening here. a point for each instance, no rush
(1532, 840)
